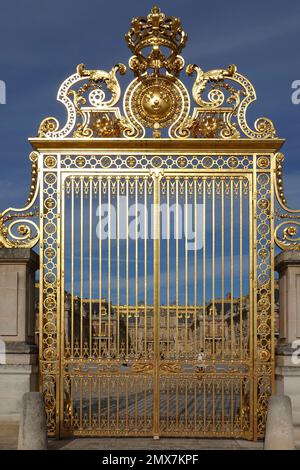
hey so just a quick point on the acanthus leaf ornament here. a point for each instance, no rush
(201, 81)
(96, 77)
(223, 113)
(89, 104)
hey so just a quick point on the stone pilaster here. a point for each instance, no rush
(19, 358)
(287, 369)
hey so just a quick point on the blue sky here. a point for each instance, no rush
(41, 43)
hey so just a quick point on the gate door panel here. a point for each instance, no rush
(156, 304)
(205, 305)
(108, 323)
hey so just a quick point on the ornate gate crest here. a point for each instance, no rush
(138, 335)
(156, 99)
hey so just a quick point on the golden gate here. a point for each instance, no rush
(156, 236)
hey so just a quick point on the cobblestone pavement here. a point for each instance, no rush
(151, 444)
(8, 435)
(9, 441)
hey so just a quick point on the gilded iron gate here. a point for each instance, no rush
(156, 339)
(156, 236)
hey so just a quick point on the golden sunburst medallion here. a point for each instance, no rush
(156, 101)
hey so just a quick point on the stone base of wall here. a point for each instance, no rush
(288, 383)
(18, 375)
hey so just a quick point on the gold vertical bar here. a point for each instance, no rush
(241, 405)
(127, 269)
(100, 265)
(117, 382)
(231, 405)
(126, 404)
(168, 264)
(108, 403)
(222, 265)
(145, 263)
(61, 301)
(72, 266)
(272, 268)
(222, 292)
(136, 266)
(195, 265)
(176, 405)
(156, 303)
(145, 403)
(213, 267)
(231, 267)
(90, 401)
(168, 402)
(204, 402)
(99, 401)
(186, 405)
(272, 176)
(223, 406)
(42, 272)
(204, 263)
(72, 400)
(109, 262)
(195, 405)
(186, 259)
(90, 264)
(241, 268)
(213, 405)
(177, 268)
(252, 314)
(254, 293)
(81, 265)
(118, 267)
(136, 402)
(80, 402)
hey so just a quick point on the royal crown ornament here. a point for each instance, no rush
(156, 31)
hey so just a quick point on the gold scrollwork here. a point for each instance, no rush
(213, 118)
(216, 97)
(27, 231)
(285, 236)
(16, 228)
(170, 367)
(98, 115)
(110, 80)
(286, 232)
(97, 124)
(140, 367)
